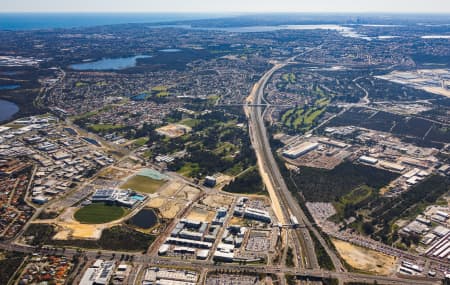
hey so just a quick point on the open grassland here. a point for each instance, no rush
(104, 128)
(188, 169)
(350, 202)
(142, 184)
(190, 122)
(99, 214)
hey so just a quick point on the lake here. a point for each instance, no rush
(109, 63)
(343, 30)
(9, 87)
(7, 110)
(144, 219)
(170, 50)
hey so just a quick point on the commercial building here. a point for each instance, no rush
(99, 273)
(256, 214)
(188, 242)
(155, 275)
(202, 254)
(392, 166)
(125, 198)
(300, 150)
(368, 159)
(210, 181)
(186, 234)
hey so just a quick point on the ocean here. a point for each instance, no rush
(34, 21)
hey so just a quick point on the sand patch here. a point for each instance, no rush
(188, 193)
(170, 209)
(201, 215)
(217, 201)
(170, 189)
(78, 231)
(365, 259)
(223, 180)
(156, 202)
(173, 130)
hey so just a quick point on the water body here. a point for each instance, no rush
(7, 110)
(109, 63)
(344, 31)
(71, 131)
(434, 37)
(91, 141)
(34, 21)
(9, 73)
(140, 97)
(9, 87)
(170, 50)
(144, 219)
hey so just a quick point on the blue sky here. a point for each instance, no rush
(224, 6)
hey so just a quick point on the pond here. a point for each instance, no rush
(7, 110)
(170, 50)
(109, 63)
(144, 219)
(71, 131)
(9, 87)
(92, 141)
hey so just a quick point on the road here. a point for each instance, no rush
(144, 259)
(284, 203)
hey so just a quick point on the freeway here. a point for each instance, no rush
(283, 202)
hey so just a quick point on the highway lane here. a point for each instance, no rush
(284, 203)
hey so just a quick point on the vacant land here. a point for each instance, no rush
(104, 128)
(99, 214)
(318, 185)
(202, 215)
(142, 184)
(349, 203)
(365, 259)
(121, 238)
(248, 183)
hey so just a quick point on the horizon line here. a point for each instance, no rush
(229, 12)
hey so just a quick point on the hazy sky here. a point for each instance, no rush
(404, 6)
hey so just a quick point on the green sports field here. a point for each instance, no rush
(99, 213)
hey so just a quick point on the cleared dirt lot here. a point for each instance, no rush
(201, 215)
(217, 201)
(365, 259)
(188, 193)
(168, 208)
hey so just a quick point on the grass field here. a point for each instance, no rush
(160, 88)
(350, 200)
(289, 77)
(99, 214)
(98, 128)
(141, 141)
(188, 169)
(189, 122)
(142, 184)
